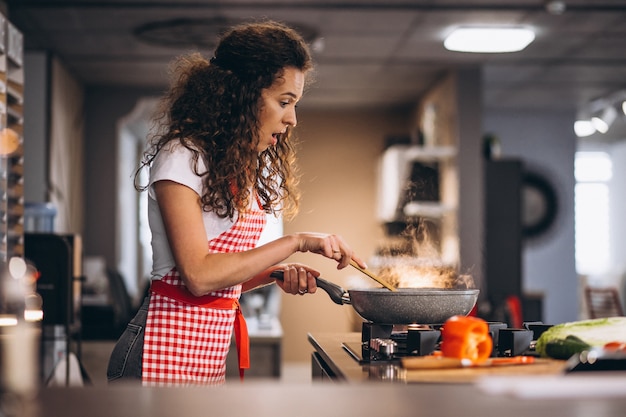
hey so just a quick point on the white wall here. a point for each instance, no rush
(617, 222)
(618, 202)
(545, 142)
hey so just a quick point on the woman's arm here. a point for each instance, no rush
(203, 272)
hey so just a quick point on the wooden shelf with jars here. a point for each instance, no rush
(11, 141)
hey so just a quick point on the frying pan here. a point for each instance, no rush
(404, 306)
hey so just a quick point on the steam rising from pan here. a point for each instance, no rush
(415, 262)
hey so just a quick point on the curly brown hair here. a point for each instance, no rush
(212, 109)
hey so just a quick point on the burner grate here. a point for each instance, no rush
(388, 343)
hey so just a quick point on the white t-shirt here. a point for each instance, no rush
(174, 162)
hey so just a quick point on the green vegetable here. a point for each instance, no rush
(565, 348)
(564, 340)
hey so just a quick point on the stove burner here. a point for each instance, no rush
(385, 342)
(388, 343)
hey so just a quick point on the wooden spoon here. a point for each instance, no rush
(374, 277)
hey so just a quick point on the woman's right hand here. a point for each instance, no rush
(297, 279)
(329, 245)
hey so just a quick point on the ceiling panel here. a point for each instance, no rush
(371, 54)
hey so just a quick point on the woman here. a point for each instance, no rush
(221, 160)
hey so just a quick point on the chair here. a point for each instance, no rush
(603, 302)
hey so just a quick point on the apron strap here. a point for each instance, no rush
(242, 340)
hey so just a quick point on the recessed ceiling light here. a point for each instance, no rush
(489, 39)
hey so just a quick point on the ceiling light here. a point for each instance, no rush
(584, 128)
(489, 39)
(624, 106)
(603, 121)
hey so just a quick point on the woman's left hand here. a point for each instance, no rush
(297, 279)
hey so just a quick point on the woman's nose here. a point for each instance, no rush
(291, 119)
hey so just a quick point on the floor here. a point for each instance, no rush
(95, 356)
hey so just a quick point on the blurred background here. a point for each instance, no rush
(523, 203)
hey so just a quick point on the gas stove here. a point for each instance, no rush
(385, 343)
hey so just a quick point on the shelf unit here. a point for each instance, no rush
(11, 141)
(394, 176)
(417, 185)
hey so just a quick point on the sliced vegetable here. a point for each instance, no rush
(571, 338)
(466, 337)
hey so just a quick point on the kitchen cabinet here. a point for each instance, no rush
(504, 181)
(417, 187)
(503, 233)
(410, 179)
(444, 134)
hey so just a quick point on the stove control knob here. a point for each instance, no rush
(375, 344)
(386, 347)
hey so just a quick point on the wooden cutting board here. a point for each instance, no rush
(540, 366)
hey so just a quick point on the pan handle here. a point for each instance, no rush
(334, 291)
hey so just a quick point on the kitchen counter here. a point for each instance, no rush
(332, 360)
(360, 393)
(272, 399)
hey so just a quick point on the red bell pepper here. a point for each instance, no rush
(466, 337)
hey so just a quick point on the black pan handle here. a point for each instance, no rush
(334, 291)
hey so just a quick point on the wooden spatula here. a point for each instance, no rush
(374, 277)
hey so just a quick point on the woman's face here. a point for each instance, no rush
(278, 107)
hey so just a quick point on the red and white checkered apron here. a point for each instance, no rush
(187, 338)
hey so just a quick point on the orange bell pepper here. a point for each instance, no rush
(466, 337)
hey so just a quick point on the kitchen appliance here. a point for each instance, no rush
(387, 343)
(58, 259)
(408, 165)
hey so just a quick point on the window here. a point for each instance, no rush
(593, 172)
